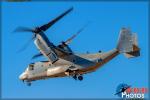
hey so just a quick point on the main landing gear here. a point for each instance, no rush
(74, 74)
(78, 77)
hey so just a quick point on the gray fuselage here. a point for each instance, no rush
(79, 63)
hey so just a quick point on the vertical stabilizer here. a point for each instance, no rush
(128, 43)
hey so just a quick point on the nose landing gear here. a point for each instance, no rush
(27, 82)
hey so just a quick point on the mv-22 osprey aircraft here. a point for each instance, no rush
(62, 61)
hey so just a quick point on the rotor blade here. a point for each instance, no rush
(71, 38)
(48, 25)
(23, 29)
(37, 55)
(26, 45)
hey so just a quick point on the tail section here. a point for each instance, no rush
(127, 43)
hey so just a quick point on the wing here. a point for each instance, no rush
(60, 53)
(63, 49)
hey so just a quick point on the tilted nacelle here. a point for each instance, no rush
(46, 50)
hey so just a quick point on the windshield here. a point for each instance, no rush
(30, 67)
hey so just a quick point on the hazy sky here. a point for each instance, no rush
(106, 19)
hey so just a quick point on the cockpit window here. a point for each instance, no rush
(31, 67)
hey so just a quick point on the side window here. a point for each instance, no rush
(54, 55)
(31, 67)
(74, 60)
(99, 60)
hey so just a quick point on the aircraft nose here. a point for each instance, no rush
(23, 76)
